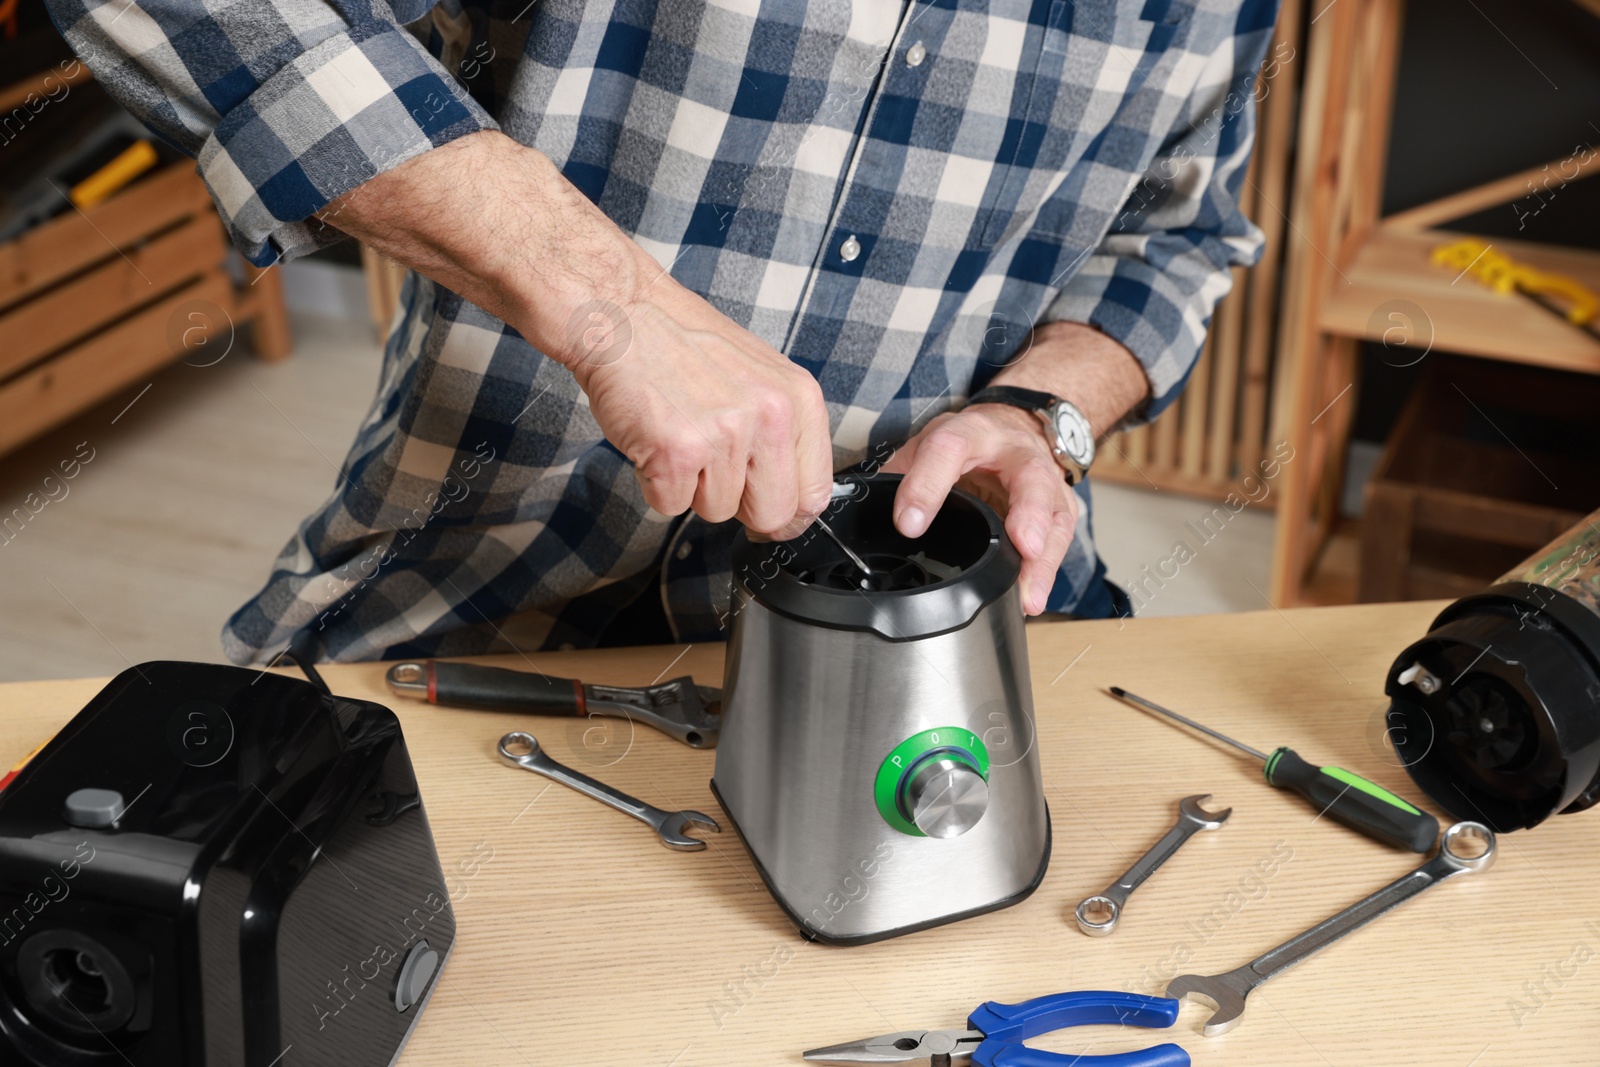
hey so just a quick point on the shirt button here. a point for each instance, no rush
(915, 55)
(850, 249)
(684, 548)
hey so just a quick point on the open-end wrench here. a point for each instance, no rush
(1227, 992)
(1098, 915)
(668, 825)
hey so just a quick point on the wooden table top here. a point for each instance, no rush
(583, 942)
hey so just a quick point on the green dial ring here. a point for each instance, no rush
(959, 742)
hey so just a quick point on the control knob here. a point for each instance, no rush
(944, 795)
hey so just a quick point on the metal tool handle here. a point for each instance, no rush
(1147, 864)
(1447, 863)
(536, 761)
(1228, 992)
(1097, 915)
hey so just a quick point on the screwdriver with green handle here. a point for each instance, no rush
(1350, 798)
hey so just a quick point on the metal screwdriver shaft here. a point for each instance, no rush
(1150, 705)
(859, 563)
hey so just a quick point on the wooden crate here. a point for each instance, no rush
(1465, 488)
(87, 300)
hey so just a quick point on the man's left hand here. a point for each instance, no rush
(1002, 455)
(999, 454)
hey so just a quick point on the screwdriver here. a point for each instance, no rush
(1349, 798)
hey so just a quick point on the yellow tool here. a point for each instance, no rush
(128, 165)
(1505, 275)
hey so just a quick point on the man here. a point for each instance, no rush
(676, 261)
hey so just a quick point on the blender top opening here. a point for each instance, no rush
(915, 587)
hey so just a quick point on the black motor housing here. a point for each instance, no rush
(1510, 733)
(250, 871)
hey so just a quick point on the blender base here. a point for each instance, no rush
(811, 933)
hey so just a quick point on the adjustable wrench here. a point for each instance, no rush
(1227, 992)
(678, 708)
(668, 825)
(1098, 915)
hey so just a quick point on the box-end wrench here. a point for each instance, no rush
(522, 750)
(1227, 992)
(1098, 915)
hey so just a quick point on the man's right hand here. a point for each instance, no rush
(712, 417)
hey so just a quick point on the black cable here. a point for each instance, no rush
(302, 652)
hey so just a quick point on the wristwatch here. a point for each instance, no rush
(1067, 429)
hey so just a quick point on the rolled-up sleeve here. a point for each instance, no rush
(1154, 280)
(285, 104)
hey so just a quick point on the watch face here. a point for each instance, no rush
(1077, 438)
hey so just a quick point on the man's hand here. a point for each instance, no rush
(1001, 454)
(992, 451)
(712, 417)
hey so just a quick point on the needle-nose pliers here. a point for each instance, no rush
(996, 1033)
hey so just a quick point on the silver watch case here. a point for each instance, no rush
(1071, 438)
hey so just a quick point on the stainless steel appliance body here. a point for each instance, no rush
(878, 749)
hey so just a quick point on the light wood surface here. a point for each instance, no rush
(1460, 314)
(583, 942)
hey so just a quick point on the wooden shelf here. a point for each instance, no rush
(1466, 316)
(1345, 262)
(44, 83)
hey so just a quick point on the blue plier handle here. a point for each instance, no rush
(1006, 1026)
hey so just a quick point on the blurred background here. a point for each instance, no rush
(1400, 402)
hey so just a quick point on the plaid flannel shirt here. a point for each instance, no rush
(891, 193)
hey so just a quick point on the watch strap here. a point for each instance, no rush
(1040, 403)
(1016, 396)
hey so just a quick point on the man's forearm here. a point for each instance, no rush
(1083, 365)
(711, 416)
(497, 223)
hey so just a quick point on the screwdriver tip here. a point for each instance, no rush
(1118, 691)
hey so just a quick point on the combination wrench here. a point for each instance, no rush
(668, 825)
(1226, 993)
(1098, 915)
